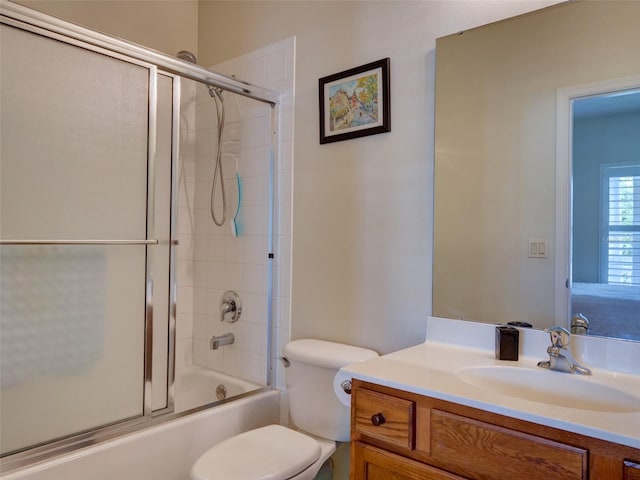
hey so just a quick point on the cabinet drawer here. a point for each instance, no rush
(631, 470)
(482, 450)
(384, 417)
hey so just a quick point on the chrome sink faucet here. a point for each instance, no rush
(560, 357)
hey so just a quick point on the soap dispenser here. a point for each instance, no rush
(507, 340)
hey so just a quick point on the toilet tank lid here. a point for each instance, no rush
(325, 354)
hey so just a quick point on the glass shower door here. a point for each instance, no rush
(74, 182)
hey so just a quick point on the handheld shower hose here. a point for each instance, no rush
(218, 176)
(216, 94)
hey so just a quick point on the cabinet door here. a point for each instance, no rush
(483, 450)
(370, 463)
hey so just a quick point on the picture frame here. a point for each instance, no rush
(355, 103)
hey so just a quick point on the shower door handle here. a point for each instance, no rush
(150, 241)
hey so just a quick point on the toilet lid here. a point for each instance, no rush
(273, 452)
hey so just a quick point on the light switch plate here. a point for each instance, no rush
(538, 248)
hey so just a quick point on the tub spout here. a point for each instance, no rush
(217, 342)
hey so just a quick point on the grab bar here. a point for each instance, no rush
(78, 242)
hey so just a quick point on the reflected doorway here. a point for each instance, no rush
(604, 282)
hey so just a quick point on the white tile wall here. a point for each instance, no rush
(210, 259)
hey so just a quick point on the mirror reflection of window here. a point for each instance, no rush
(620, 246)
(605, 284)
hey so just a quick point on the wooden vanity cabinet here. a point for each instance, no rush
(397, 435)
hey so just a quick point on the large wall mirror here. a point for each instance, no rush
(537, 170)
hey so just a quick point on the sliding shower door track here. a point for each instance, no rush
(14, 461)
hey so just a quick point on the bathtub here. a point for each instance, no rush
(196, 386)
(161, 452)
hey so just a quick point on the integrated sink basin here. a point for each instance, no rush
(549, 387)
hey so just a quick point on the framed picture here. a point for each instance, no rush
(355, 103)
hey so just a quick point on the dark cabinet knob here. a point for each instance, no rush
(378, 419)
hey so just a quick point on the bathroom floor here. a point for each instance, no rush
(326, 472)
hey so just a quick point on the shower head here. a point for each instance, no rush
(190, 57)
(187, 56)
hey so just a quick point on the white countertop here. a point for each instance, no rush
(431, 369)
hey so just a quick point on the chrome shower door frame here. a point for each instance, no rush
(27, 16)
(30, 455)
(37, 23)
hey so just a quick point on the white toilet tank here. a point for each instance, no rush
(313, 405)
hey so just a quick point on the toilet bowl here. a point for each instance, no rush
(276, 452)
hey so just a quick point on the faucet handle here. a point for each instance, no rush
(559, 336)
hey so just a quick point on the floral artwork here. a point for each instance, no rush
(355, 103)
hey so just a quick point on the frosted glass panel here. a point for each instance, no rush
(73, 165)
(74, 141)
(161, 252)
(71, 339)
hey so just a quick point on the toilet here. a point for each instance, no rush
(319, 420)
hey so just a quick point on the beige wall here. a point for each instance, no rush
(362, 225)
(164, 25)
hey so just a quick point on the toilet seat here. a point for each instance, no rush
(273, 452)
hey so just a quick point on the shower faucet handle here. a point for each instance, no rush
(230, 307)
